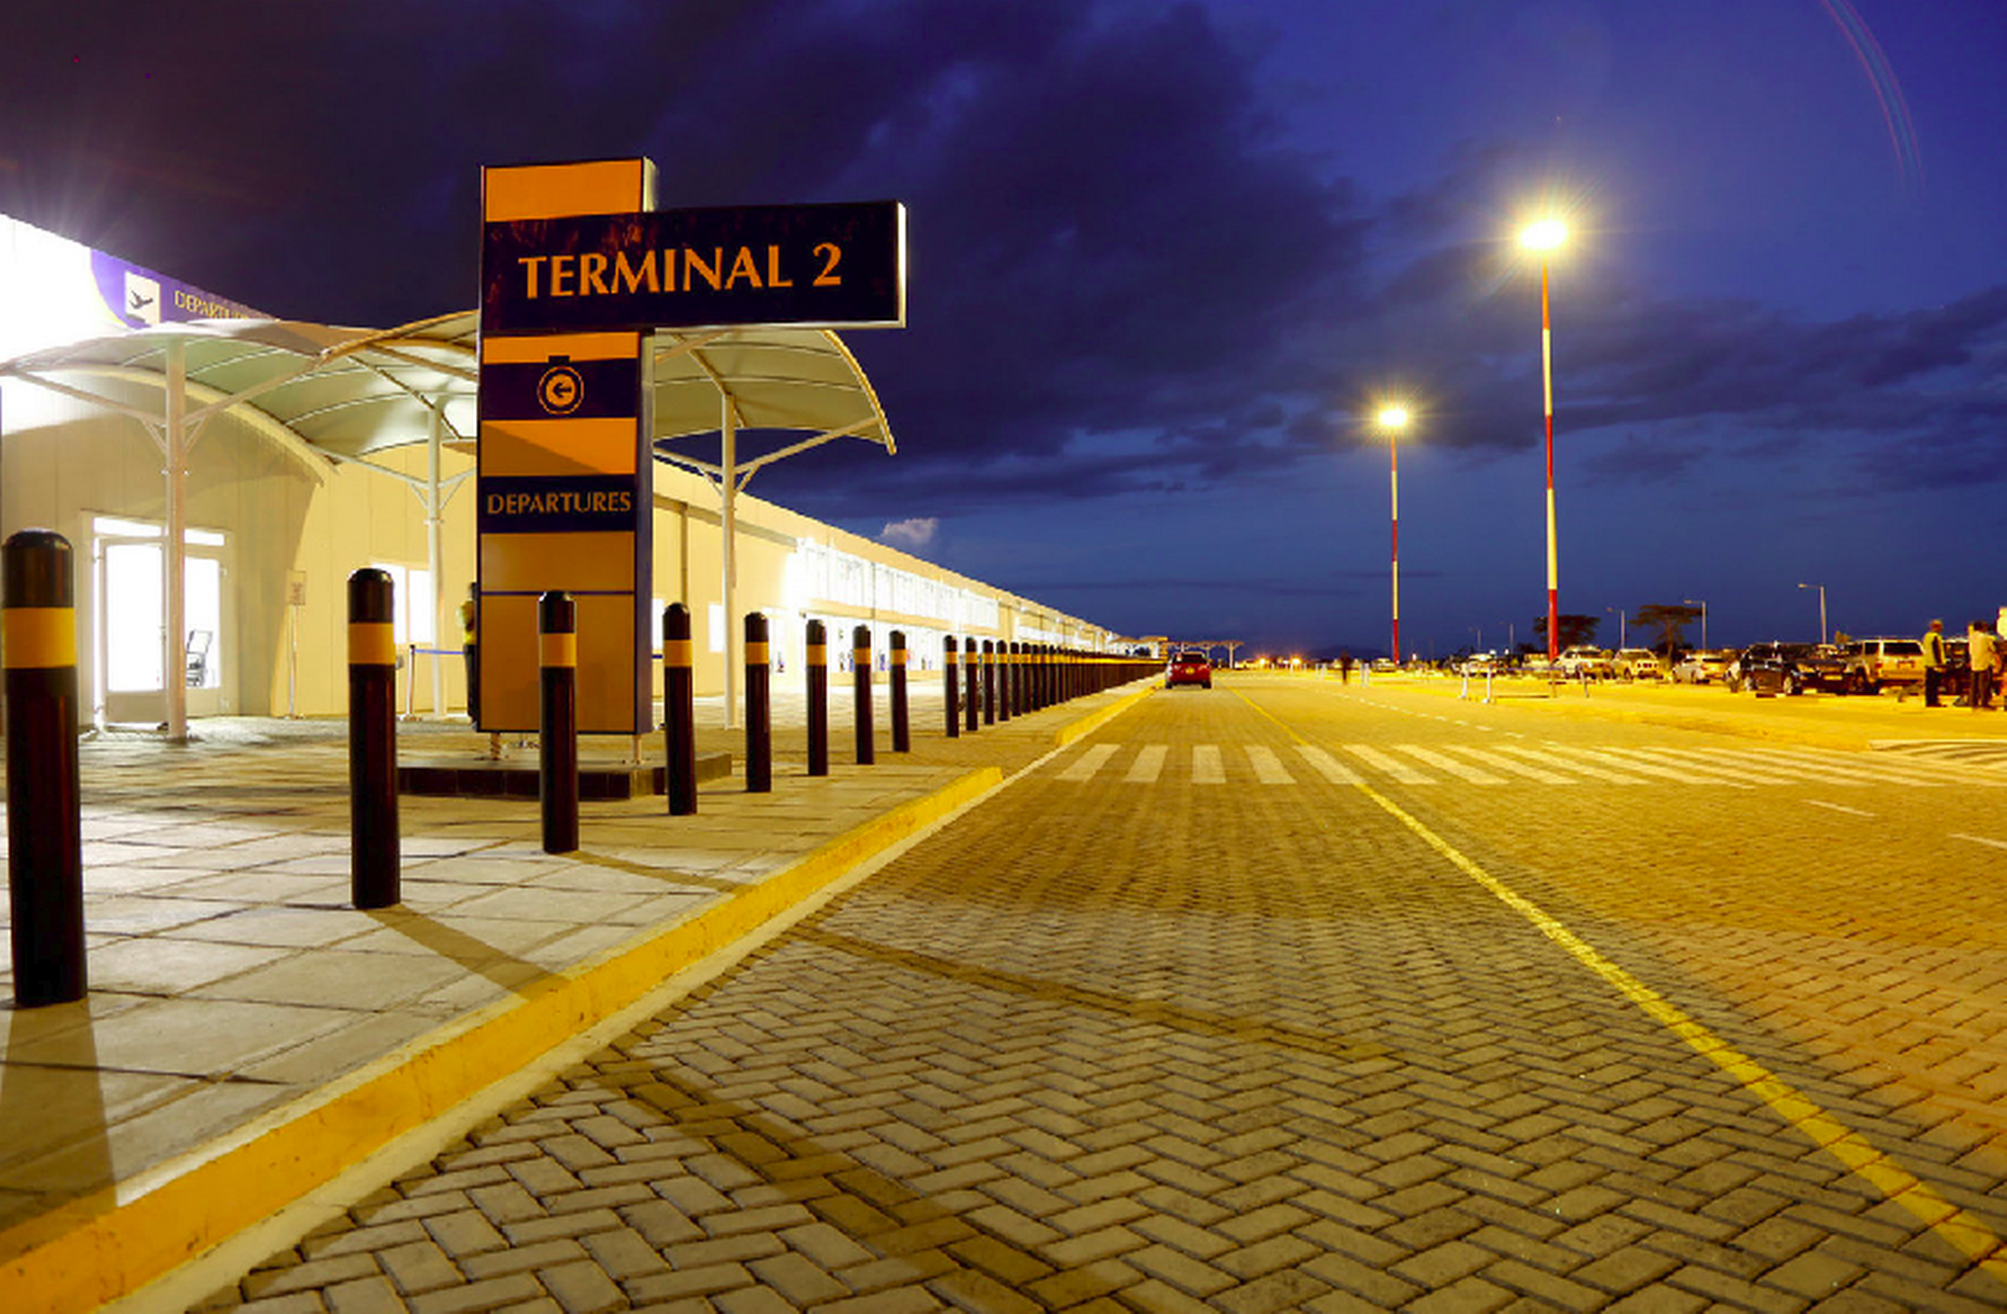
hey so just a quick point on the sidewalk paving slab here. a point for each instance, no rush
(248, 1033)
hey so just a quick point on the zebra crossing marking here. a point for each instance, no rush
(1735, 771)
(1951, 754)
(1268, 768)
(1084, 766)
(1826, 771)
(1328, 766)
(1908, 770)
(1513, 766)
(1593, 772)
(1617, 758)
(1557, 764)
(1399, 770)
(1149, 764)
(1441, 762)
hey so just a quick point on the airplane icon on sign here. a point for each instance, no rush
(138, 302)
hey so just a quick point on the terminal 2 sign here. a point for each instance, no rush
(832, 266)
(577, 270)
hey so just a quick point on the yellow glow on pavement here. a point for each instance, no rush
(1955, 1226)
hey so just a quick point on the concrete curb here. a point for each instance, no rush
(1093, 721)
(117, 1239)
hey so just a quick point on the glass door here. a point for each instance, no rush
(130, 616)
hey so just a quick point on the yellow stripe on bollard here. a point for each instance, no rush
(817, 654)
(756, 654)
(676, 652)
(38, 637)
(557, 649)
(898, 656)
(372, 643)
(861, 656)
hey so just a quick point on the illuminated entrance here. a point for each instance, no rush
(128, 620)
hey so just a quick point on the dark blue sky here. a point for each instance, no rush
(1166, 258)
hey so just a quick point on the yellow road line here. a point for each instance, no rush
(1957, 1227)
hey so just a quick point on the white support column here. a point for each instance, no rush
(174, 567)
(729, 486)
(435, 559)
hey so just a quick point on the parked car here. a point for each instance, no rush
(1703, 666)
(1874, 664)
(1786, 668)
(1586, 660)
(1188, 667)
(1637, 664)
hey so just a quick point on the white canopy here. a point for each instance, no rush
(326, 394)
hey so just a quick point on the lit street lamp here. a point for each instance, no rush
(1822, 608)
(1392, 420)
(1546, 236)
(1620, 624)
(1702, 604)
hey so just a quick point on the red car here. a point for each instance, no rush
(1189, 668)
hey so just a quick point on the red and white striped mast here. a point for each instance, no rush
(1543, 237)
(1393, 419)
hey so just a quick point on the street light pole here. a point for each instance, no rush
(1543, 237)
(1702, 604)
(1620, 624)
(1393, 419)
(1822, 608)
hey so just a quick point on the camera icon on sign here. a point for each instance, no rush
(560, 390)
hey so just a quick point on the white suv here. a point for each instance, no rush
(1875, 663)
(1585, 659)
(1638, 664)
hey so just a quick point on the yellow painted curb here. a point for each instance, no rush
(114, 1241)
(1093, 721)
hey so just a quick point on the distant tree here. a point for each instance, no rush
(1671, 619)
(1574, 630)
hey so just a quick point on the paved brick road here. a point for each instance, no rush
(1125, 1039)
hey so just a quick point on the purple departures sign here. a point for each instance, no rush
(824, 266)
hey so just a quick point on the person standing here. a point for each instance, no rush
(1933, 662)
(470, 647)
(1999, 655)
(1979, 642)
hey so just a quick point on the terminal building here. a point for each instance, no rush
(156, 424)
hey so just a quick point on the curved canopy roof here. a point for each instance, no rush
(344, 393)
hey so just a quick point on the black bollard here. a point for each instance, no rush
(989, 682)
(557, 738)
(902, 738)
(374, 859)
(679, 711)
(860, 677)
(45, 845)
(950, 678)
(1003, 680)
(972, 699)
(1014, 684)
(817, 667)
(759, 708)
